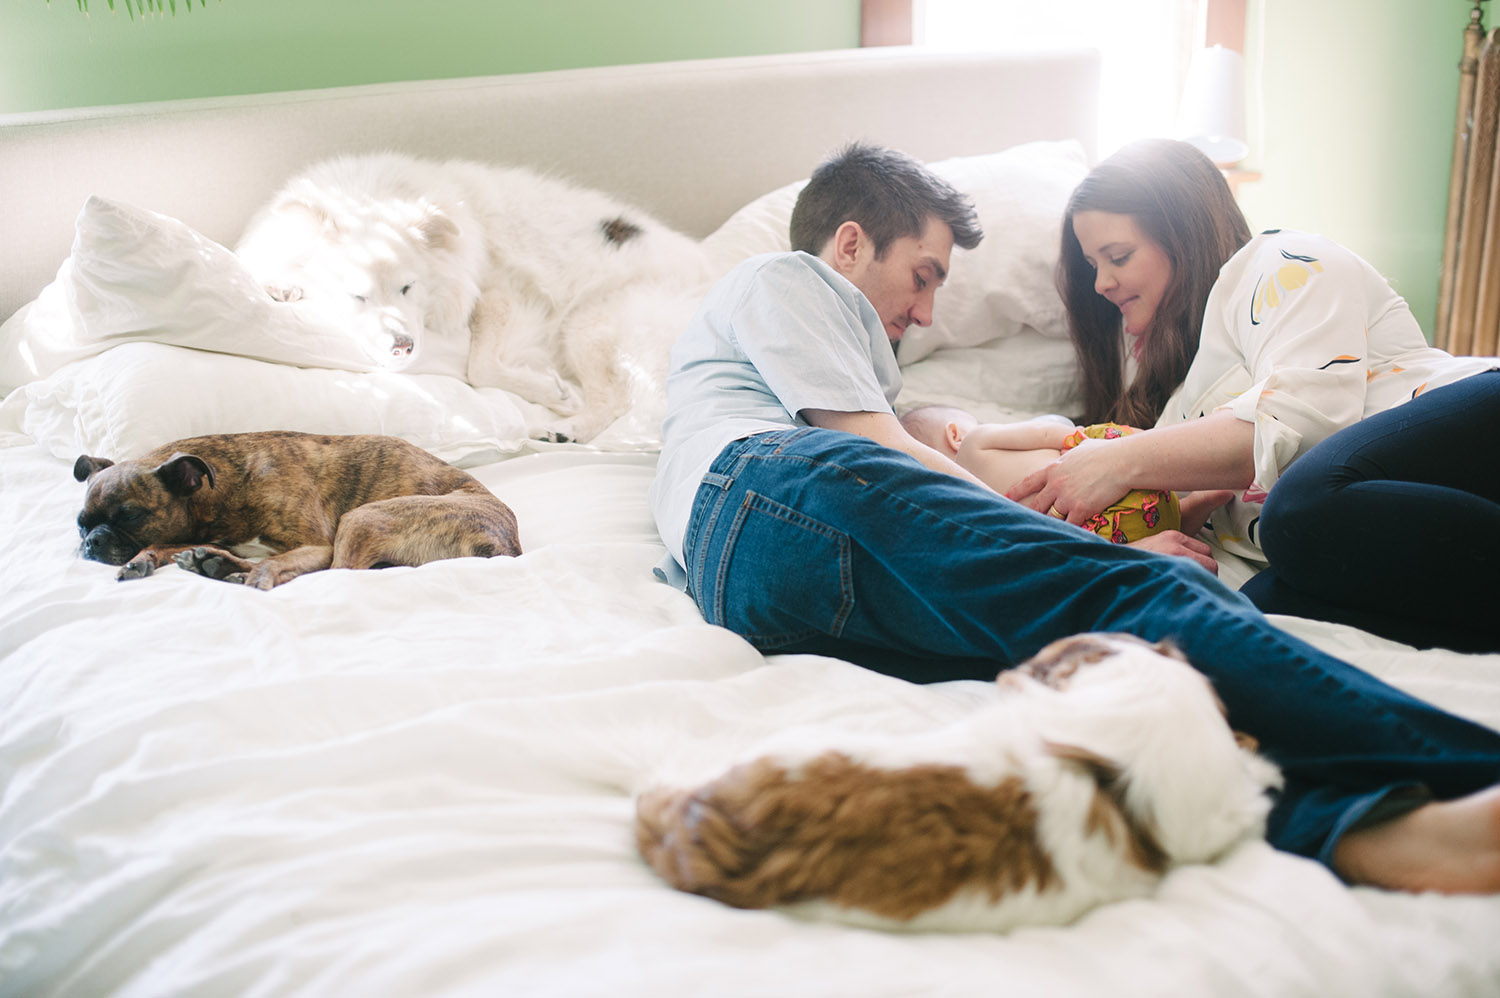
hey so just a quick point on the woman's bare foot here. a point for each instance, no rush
(1448, 846)
(1198, 506)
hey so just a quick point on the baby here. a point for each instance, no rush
(1001, 454)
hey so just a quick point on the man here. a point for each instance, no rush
(798, 513)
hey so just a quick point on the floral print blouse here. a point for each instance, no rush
(1302, 338)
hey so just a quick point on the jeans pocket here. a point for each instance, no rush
(781, 576)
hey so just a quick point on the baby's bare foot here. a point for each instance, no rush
(1198, 506)
(1448, 846)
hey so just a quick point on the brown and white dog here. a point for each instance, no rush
(1104, 762)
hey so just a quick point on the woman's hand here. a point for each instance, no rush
(1215, 452)
(1082, 482)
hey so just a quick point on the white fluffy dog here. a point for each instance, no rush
(556, 292)
(1104, 762)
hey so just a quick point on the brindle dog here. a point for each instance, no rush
(315, 501)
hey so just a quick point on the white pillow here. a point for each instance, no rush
(762, 226)
(136, 275)
(138, 396)
(1012, 377)
(997, 289)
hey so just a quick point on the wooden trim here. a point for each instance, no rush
(1468, 73)
(1471, 270)
(885, 22)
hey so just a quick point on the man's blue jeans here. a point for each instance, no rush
(813, 540)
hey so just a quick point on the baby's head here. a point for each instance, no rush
(941, 427)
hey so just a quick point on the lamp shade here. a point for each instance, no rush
(1212, 114)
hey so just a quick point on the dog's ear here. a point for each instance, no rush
(87, 467)
(306, 216)
(436, 228)
(184, 474)
(1111, 812)
(1168, 647)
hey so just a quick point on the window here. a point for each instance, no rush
(1144, 47)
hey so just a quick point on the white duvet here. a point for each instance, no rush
(418, 781)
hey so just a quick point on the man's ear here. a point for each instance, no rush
(844, 248)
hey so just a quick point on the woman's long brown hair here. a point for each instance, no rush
(1181, 202)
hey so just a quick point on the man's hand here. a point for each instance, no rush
(1175, 542)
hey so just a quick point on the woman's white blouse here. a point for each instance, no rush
(1302, 338)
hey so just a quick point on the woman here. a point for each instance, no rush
(1281, 360)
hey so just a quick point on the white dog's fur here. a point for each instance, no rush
(559, 293)
(1104, 762)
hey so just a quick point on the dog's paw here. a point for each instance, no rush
(284, 294)
(211, 562)
(136, 568)
(568, 400)
(552, 436)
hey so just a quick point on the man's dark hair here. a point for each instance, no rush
(888, 193)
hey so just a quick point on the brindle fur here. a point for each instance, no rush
(318, 501)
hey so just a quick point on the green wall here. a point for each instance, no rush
(1354, 130)
(1351, 126)
(51, 56)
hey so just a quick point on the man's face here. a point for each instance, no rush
(901, 285)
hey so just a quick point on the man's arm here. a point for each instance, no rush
(884, 428)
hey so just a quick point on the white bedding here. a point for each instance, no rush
(418, 782)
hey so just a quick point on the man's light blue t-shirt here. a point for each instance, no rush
(779, 334)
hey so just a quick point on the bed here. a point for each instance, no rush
(420, 781)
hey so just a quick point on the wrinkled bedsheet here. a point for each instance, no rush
(418, 782)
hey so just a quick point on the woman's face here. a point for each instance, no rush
(1130, 270)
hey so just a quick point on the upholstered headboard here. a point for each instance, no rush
(690, 141)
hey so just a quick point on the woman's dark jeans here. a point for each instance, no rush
(1393, 524)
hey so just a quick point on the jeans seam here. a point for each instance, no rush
(695, 575)
(1389, 719)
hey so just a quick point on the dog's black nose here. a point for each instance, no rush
(401, 345)
(103, 544)
(90, 546)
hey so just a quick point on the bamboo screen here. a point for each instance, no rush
(1468, 319)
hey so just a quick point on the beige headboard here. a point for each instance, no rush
(690, 141)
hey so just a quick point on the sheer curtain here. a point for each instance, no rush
(1144, 47)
